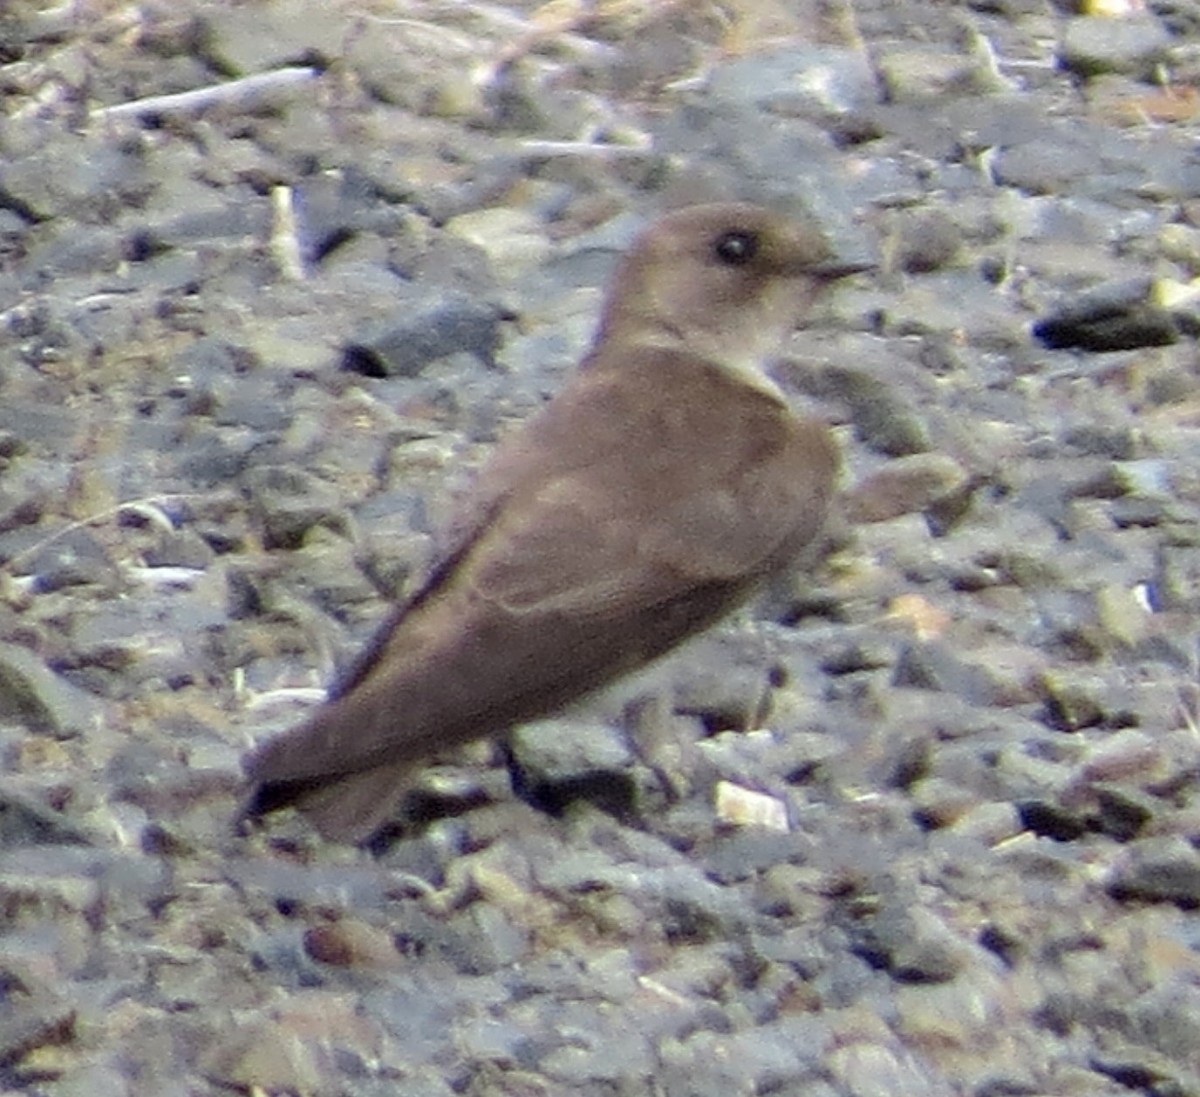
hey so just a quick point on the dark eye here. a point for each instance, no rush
(736, 247)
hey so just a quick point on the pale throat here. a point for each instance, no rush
(741, 350)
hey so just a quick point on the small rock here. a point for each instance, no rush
(910, 943)
(513, 239)
(74, 559)
(350, 942)
(915, 75)
(1117, 443)
(882, 419)
(1114, 316)
(1071, 702)
(557, 761)
(179, 548)
(742, 807)
(988, 823)
(482, 939)
(36, 698)
(927, 241)
(238, 42)
(1158, 870)
(1124, 812)
(904, 486)
(981, 679)
(1050, 819)
(420, 333)
(31, 1020)
(26, 820)
(940, 803)
(820, 83)
(1133, 44)
(289, 502)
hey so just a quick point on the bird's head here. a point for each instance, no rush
(726, 280)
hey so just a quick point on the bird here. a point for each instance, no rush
(666, 482)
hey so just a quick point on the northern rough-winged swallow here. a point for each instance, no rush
(662, 485)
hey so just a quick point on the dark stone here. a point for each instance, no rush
(1123, 812)
(1111, 317)
(424, 331)
(1051, 820)
(1158, 870)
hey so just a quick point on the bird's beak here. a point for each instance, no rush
(843, 268)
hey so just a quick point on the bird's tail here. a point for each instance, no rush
(349, 809)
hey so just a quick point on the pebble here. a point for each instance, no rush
(1092, 44)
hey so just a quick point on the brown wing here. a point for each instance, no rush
(675, 466)
(633, 512)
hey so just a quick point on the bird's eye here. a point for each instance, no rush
(736, 247)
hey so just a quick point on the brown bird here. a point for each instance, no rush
(662, 485)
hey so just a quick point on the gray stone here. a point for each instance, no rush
(1076, 701)
(26, 820)
(915, 75)
(424, 332)
(233, 41)
(904, 486)
(80, 177)
(33, 1021)
(937, 666)
(1158, 870)
(289, 502)
(482, 940)
(909, 943)
(1095, 44)
(74, 558)
(35, 698)
(557, 751)
(822, 84)
(881, 418)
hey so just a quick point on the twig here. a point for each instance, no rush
(136, 506)
(241, 92)
(285, 244)
(583, 148)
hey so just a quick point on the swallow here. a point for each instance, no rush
(665, 483)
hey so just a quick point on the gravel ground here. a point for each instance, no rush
(921, 823)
